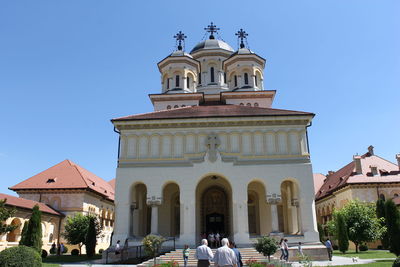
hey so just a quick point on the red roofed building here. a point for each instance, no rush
(63, 190)
(367, 178)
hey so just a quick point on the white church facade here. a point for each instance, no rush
(214, 156)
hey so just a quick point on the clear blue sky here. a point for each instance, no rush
(68, 67)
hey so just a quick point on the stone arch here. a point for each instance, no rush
(15, 235)
(290, 207)
(214, 205)
(257, 208)
(169, 210)
(191, 81)
(139, 210)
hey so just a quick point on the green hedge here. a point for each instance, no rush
(20, 256)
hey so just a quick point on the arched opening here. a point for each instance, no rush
(14, 235)
(235, 81)
(290, 214)
(246, 78)
(257, 209)
(214, 206)
(212, 75)
(190, 81)
(177, 81)
(169, 211)
(257, 79)
(140, 211)
(382, 196)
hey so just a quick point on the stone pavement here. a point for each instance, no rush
(336, 260)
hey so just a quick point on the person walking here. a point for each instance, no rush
(185, 255)
(224, 256)
(286, 248)
(329, 248)
(282, 248)
(300, 250)
(117, 248)
(203, 254)
(239, 262)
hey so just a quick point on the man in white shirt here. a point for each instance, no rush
(203, 254)
(224, 256)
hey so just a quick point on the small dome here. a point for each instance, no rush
(212, 44)
(180, 53)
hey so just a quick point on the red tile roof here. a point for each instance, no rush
(388, 172)
(28, 204)
(67, 175)
(319, 179)
(210, 111)
(112, 183)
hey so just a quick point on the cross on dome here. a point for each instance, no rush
(212, 29)
(241, 35)
(180, 37)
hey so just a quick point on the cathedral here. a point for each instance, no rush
(214, 156)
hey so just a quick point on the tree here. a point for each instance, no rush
(91, 235)
(380, 213)
(33, 232)
(6, 213)
(23, 234)
(343, 239)
(76, 229)
(362, 223)
(267, 246)
(152, 244)
(393, 226)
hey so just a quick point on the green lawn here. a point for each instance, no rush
(68, 258)
(50, 265)
(370, 254)
(381, 263)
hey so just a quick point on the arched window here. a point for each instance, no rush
(246, 78)
(169, 107)
(199, 78)
(167, 83)
(256, 81)
(183, 106)
(241, 104)
(212, 74)
(224, 77)
(396, 195)
(235, 80)
(176, 106)
(188, 82)
(248, 104)
(177, 81)
(256, 104)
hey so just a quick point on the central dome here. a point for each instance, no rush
(212, 44)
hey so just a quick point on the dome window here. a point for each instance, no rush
(176, 106)
(199, 78)
(169, 107)
(167, 83)
(177, 81)
(256, 81)
(212, 78)
(188, 82)
(256, 104)
(248, 104)
(246, 78)
(235, 78)
(225, 77)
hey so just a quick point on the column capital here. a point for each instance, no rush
(154, 201)
(295, 202)
(274, 199)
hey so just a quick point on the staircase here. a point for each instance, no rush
(176, 255)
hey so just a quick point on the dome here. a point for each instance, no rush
(212, 44)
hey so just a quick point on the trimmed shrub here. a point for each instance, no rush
(20, 256)
(53, 250)
(267, 246)
(75, 252)
(101, 251)
(44, 254)
(90, 242)
(343, 238)
(396, 263)
(363, 247)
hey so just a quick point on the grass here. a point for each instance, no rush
(369, 254)
(379, 263)
(50, 265)
(68, 258)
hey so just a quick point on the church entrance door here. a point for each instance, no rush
(215, 223)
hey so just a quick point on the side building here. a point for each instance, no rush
(367, 178)
(66, 189)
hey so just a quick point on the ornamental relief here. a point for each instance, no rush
(207, 145)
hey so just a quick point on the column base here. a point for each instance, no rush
(241, 238)
(311, 236)
(277, 235)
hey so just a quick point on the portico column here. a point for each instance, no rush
(240, 214)
(187, 215)
(273, 200)
(154, 219)
(308, 217)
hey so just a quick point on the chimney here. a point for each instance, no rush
(357, 161)
(330, 172)
(398, 160)
(371, 150)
